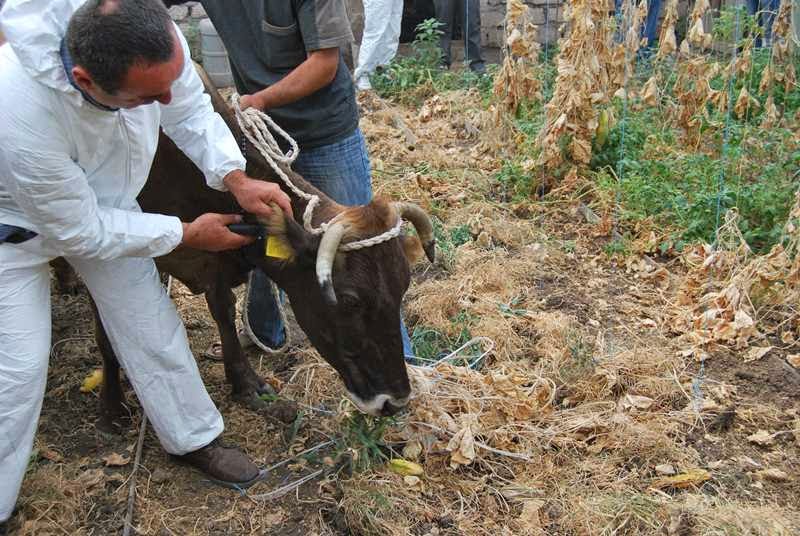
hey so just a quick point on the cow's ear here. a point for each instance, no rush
(293, 241)
(412, 247)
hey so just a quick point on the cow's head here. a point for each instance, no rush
(348, 303)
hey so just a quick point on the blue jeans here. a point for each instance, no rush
(342, 171)
(765, 10)
(650, 23)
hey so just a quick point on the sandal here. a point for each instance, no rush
(214, 352)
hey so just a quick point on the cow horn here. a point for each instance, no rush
(422, 223)
(326, 253)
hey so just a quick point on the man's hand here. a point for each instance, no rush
(317, 71)
(209, 232)
(252, 101)
(255, 196)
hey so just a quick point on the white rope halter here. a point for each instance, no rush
(256, 126)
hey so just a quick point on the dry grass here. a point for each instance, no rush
(563, 429)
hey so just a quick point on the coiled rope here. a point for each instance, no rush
(257, 127)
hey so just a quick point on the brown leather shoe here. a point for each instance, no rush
(224, 465)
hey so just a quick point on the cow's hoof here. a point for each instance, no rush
(251, 400)
(265, 389)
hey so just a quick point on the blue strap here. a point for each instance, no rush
(14, 235)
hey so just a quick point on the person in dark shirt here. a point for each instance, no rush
(286, 60)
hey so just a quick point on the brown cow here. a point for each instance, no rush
(352, 320)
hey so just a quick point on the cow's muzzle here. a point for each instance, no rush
(382, 405)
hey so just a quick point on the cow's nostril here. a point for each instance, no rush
(390, 409)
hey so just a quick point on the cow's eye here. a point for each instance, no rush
(349, 301)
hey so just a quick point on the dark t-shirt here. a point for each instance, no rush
(267, 39)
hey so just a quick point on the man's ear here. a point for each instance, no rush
(82, 78)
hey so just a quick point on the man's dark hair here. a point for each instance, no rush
(108, 37)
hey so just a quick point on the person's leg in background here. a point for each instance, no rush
(651, 23)
(618, 17)
(754, 9)
(263, 313)
(24, 355)
(342, 170)
(471, 11)
(380, 40)
(396, 25)
(445, 14)
(769, 12)
(149, 339)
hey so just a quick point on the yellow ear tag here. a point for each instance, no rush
(275, 247)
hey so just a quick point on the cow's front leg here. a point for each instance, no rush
(247, 385)
(114, 413)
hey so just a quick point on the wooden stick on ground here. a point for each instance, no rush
(132, 489)
(397, 122)
(410, 137)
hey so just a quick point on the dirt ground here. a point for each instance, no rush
(606, 405)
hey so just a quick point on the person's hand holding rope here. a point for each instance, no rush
(255, 196)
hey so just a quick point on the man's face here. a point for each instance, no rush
(143, 84)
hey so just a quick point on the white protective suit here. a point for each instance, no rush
(72, 172)
(381, 37)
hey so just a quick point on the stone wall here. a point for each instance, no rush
(187, 11)
(547, 15)
(187, 16)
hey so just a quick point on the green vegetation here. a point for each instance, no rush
(431, 345)
(411, 79)
(643, 169)
(447, 240)
(686, 192)
(362, 441)
(645, 173)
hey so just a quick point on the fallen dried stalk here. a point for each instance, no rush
(283, 490)
(132, 488)
(484, 446)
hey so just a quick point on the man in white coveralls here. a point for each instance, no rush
(84, 87)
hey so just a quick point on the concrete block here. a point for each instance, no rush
(179, 13)
(548, 34)
(492, 37)
(537, 15)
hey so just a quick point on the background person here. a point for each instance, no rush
(451, 13)
(649, 28)
(765, 12)
(381, 37)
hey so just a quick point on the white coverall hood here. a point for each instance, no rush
(34, 30)
(380, 38)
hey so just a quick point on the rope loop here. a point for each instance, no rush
(257, 128)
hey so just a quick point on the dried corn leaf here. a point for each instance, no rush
(689, 479)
